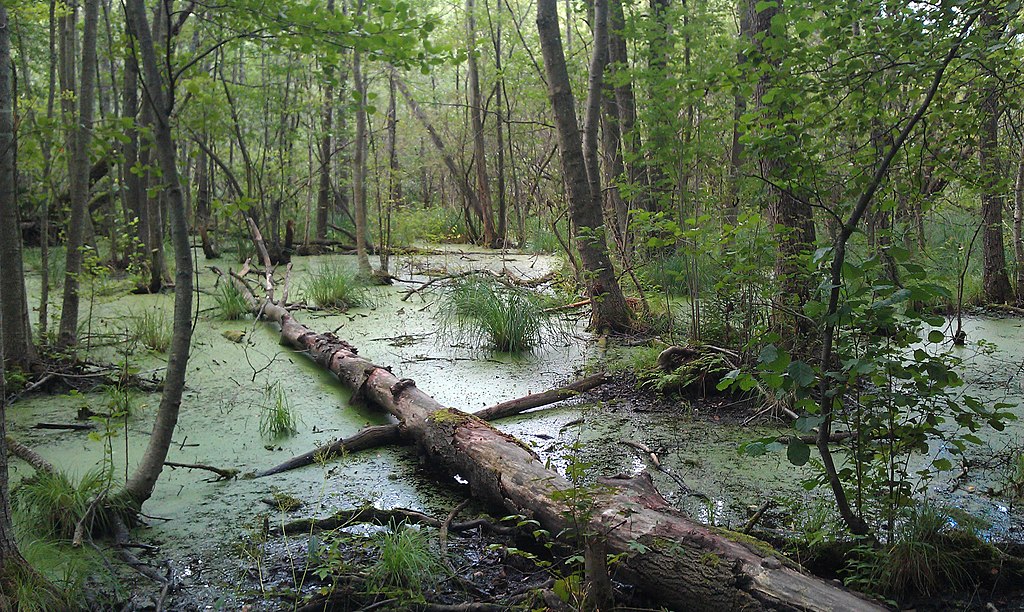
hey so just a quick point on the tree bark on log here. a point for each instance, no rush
(684, 564)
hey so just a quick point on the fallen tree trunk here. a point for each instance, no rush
(536, 400)
(383, 435)
(679, 562)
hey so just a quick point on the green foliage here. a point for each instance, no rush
(151, 327)
(700, 375)
(53, 504)
(480, 310)
(277, 417)
(231, 304)
(337, 286)
(406, 562)
(542, 238)
(892, 383)
(927, 556)
(435, 224)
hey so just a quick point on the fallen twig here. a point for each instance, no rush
(757, 516)
(222, 473)
(366, 438)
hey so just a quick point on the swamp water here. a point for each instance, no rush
(201, 523)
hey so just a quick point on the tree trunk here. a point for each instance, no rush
(683, 564)
(323, 197)
(15, 572)
(18, 349)
(732, 206)
(1018, 219)
(483, 184)
(160, 98)
(995, 282)
(395, 196)
(359, 164)
(792, 215)
(80, 178)
(615, 209)
(609, 308)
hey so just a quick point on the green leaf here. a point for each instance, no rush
(798, 452)
(806, 424)
(935, 336)
(801, 374)
(943, 465)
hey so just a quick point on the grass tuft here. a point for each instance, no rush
(406, 562)
(230, 303)
(481, 311)
(333, 285)
(277, 417)
(926, 556)
(53, 504)
(152, 328)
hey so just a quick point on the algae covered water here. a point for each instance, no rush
(237, 367)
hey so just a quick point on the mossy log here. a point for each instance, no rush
(678, 562)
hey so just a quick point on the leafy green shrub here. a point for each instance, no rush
(482, 311)
(231, 304)
(406, 561)
(53, 504)
(152, 328)
(277, 417)
(334, 285)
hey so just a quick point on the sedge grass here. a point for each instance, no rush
(484, 312)
(231, 305)
(152, 328)
(277, 416)
(336, 286)
(406, 562)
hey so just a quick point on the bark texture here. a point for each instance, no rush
(995, 282)
(14, 326)
(79, 167)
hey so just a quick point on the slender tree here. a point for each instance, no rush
(160, 99)
(476, 112)
(79, 167)
(359, 161)
(609, 308)
(995, 282)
